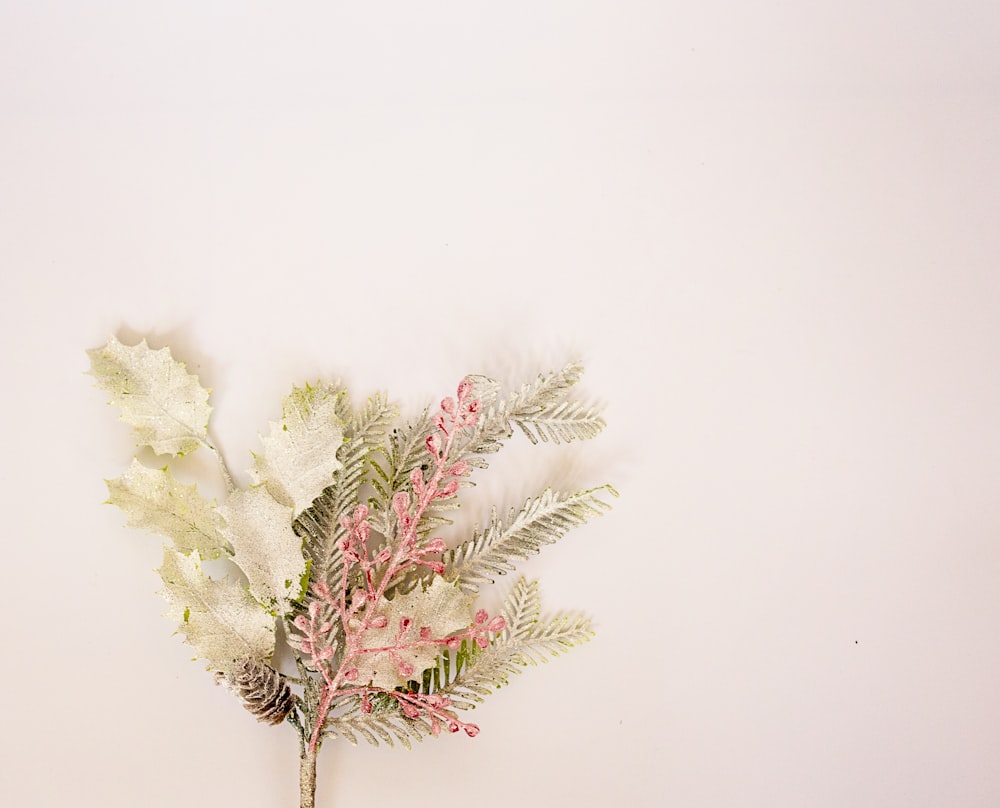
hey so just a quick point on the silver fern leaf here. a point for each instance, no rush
(541, 520)
(526, 640)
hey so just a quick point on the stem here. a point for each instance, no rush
(223, 467)
(307, 779)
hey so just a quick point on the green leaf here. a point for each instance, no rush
(153, 500)
(300, 454)
(166, 406)
(265, 547)
(217, 617)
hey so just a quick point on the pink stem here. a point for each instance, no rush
(373, 600)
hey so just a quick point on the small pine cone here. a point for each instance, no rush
(263, 691)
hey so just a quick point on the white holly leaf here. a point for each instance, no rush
(300, 454)
(153, 500)
(442, 607)
(218, 618)
(265, 547)
(166, 406)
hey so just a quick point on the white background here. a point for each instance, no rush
(769, 229)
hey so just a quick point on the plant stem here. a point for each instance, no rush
(307, 778)
(223, 466)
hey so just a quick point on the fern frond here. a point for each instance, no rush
(522, 609)
(392, 463)
(319, 524)
(541, 520)
(387, 726)
(562, 423)
(467, 680)
(538, 409)
(555, 637)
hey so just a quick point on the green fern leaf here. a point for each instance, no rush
(392, 463)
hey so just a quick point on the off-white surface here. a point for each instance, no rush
(770, 229)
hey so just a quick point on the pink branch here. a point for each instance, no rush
(406, 553)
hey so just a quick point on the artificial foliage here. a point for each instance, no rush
(336, 541)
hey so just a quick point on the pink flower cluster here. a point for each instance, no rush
(357, 613)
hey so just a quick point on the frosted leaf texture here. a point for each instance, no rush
(300, 454)
(166, 406)
(265, 547)
(153, 500)
(217, 617)
(442, 607)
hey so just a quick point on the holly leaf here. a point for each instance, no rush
(153, 500)
(218, 618)
(265, 547)
(300, 454)
(441, 607)
(166, 406)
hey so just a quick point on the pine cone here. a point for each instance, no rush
(263, 691)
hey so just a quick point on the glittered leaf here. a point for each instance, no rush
(265, 547)
(166, 406)
(441, 607)
(300, 454)
(153, 500)
(217, 617)
(319, 524)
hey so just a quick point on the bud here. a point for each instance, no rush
(433, 444)
(448, 490)
(401, 505)
(417, 481)
(435, 546)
